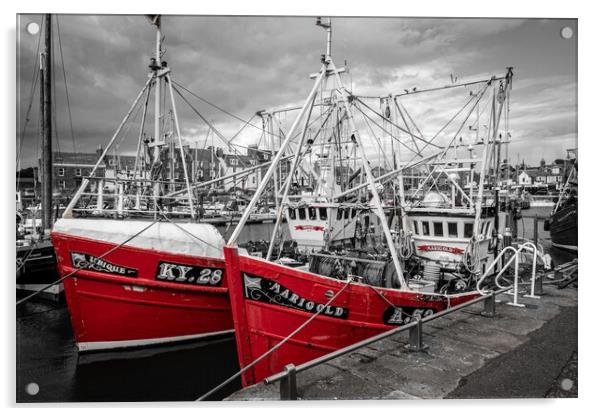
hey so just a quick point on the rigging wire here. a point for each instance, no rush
(215, 106)
(35, 77)
(211, 126)
(482, 93)
(58, 31)
(380, 127)
(378, 142)
(382, 117)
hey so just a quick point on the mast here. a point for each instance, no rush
(157, 23)
(370, 179)
(485, 158)
(46, 123)
(276, 159)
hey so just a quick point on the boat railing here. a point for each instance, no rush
(123, 197)
(288, 376)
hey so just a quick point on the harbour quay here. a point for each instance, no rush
(467, 355)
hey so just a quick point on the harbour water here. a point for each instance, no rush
(47, 356)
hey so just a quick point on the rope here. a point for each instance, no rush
(383, 297)
(274, 348)
(406, 248)
(24, 259)
(56, 282)
(471, 257)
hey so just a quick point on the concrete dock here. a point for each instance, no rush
(527, 352)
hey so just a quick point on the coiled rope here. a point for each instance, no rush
(472, 257)
(406, 247)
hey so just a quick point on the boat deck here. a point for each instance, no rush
(519, 353)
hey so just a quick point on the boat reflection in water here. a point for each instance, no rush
(48, 357)
(176, 372)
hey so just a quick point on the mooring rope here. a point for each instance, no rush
(25, 257)
(56, 282)
(274, 348)
(383, 297)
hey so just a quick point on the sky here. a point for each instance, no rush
(246, 64)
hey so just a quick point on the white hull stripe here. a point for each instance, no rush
(108, 345)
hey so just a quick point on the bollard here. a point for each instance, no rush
(416, 344)
(489, 306)
(288, 385)
(538, 282)
(535, 282)
(514, 290)
(539, 286)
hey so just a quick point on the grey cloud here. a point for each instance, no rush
(245, 64)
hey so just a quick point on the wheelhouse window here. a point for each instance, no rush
(353, 212)
(61, 171)
(416, 228)
(346, 213)
(339, 213)
(468, 226)
(292, 214)
(452, 229)
(302, 214)
(78, 172)
(323, 213)
(312, 213)
(425, 228)
(438, 228)
(487, 228)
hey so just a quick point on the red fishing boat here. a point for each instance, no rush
(159, 287)
(137, 265)
(285, 315)
(270, 301)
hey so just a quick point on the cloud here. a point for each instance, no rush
(246, 64)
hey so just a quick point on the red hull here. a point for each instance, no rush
(270, 301)
(113, 311)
